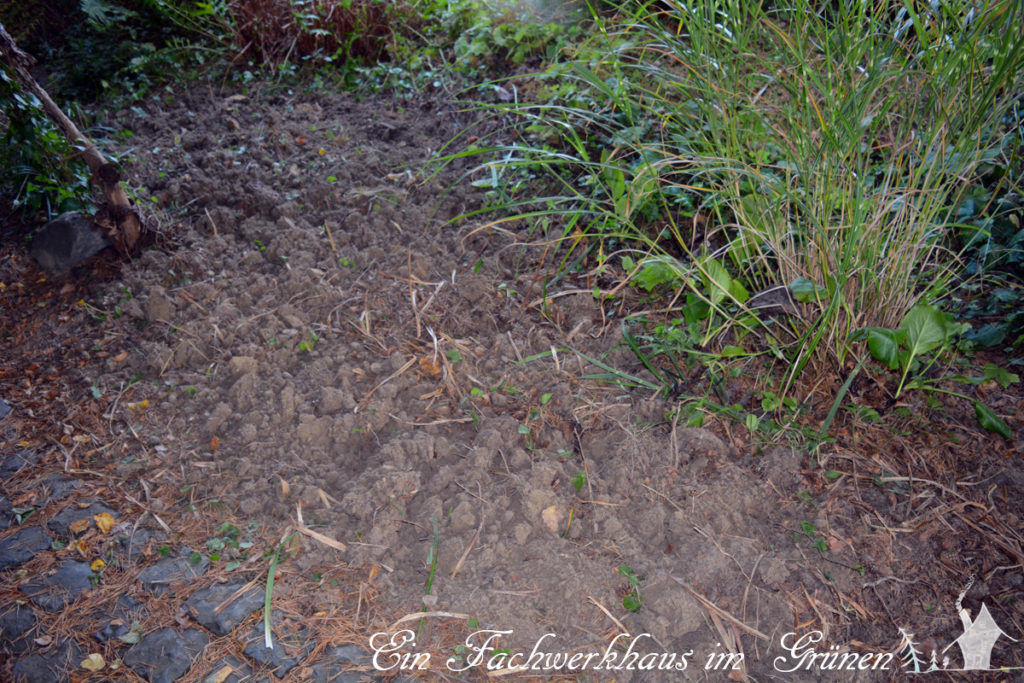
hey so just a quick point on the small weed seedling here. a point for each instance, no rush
(308, 344)
(811, 532)
(633, 599)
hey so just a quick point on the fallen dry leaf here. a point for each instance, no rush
(220, 675)
(78, 526)
(428, 367)
(93, 662)
(104, 522)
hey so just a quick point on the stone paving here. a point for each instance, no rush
(39, 578)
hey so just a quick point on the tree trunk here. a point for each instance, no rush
(120, 219)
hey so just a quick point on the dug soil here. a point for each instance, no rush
(312, 342)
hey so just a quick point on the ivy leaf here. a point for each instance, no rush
(990, 421)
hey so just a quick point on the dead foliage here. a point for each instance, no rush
(274, 31)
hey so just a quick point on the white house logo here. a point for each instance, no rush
(976, 643)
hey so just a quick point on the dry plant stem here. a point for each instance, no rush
(416, 616)
(472, 542)
(711, 607)
(618, 624)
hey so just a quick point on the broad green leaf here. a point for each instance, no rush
(716, 280)
(990, 421)
(738, 291)
(885, 346)
(733, 351)
(804, 290)
(658, 270)
(925, 326)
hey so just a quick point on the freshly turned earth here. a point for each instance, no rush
(310, 336)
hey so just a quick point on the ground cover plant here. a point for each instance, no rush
(804, 180)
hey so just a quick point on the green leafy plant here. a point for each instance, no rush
(307, 345)
(726, 149)
(40, 171)
(228, 542)
(810, 531)
(914, 348)
(633, 600)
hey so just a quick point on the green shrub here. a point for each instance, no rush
(728, 147)
(41, 173)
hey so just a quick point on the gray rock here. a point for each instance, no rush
(59, 486)
(170, 570)
(203, 604)
(124, 613)
(165, 654)
(4, 408)
(134, 541)
(15, 625)
(66, 241)
(339, 665)
(55, 665)
(22, 546)
(53, 592)
(6, 513)
(60, 524)
(289, 648)
(13, 464)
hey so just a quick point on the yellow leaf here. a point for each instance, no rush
(97, 565)
(78, 526)
(220, 675)
(321, 151)
(93, 662)
(138, 406)
(81, 547)
(104, 521)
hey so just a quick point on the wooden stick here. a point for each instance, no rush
(125, 225)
